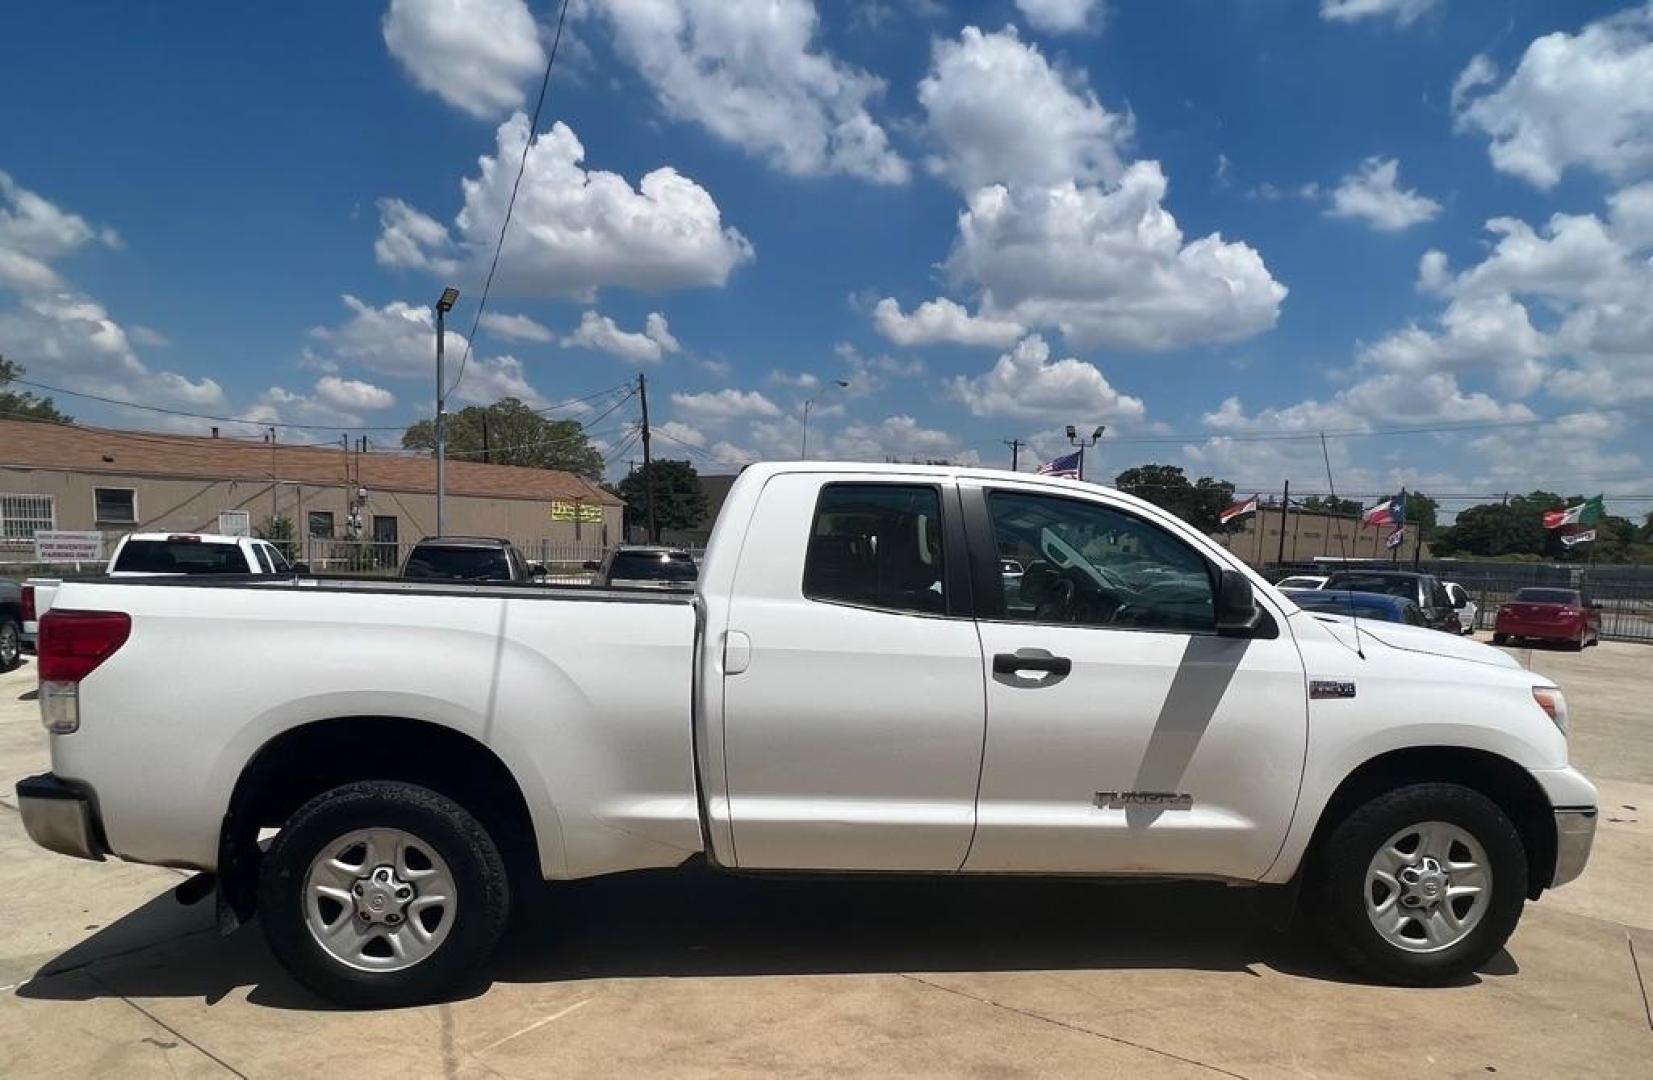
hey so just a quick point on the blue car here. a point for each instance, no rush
(1379, 607)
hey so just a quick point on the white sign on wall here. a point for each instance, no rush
(57, 545)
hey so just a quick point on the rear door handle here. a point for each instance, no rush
(1010, 668)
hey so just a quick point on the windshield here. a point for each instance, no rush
(458, 564)
(179, 557)
(653, 566)
(1547, 596)
(1374, 583)
(1340, 603)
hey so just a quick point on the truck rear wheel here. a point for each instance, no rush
(383, 893)
(11, 642)
(1421, 885)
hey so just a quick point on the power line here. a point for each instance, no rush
(206, 416)
(528, 142)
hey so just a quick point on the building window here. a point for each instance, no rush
(115, 506)
(321, 524)
(21, 516)
(235, 523)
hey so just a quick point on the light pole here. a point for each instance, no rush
(444, 304)
(1075, 440)
(809, 403)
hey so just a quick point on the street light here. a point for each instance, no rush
(803, 448)
(444, 304)
(1082, 444)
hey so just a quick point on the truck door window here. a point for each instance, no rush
(877, 545)
(263, 551)
(1087, 564)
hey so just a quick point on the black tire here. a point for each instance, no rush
(483, 893)
(1337, 883)
(11, 642)
(1577, 644)
(1500, 639)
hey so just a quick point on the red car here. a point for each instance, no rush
(1563, 615)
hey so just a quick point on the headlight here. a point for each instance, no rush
(1554, 704)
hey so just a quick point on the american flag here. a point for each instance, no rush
(1067, 465)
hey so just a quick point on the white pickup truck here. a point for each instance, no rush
(162, 555)
(855, 685)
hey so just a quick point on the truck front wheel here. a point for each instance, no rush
(1421, 885)
(383, 893)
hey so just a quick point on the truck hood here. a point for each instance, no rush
(1417, 639)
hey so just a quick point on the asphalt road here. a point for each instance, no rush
(102, 972)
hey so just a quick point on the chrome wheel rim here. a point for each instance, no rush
(11, 644)
(1428, 887)
(379, 900)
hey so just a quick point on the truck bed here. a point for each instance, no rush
(579, 691)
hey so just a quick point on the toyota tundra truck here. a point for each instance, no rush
(376, 767)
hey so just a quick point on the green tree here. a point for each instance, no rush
(1197, 502)
(1423, 512)
(279, 531)
(1325, 504)
(1491, 530)
(679, 500)
(508, 432)
(22, 405)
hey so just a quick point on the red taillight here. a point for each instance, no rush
(73, 643)
(28, 603)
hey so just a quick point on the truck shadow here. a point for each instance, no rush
(693, 923)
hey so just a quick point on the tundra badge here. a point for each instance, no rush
(1331, 688)
(1160, 800)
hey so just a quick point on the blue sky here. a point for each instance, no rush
(1207, 224)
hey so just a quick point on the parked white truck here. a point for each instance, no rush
(852, 687)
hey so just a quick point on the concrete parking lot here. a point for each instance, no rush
(102, 972)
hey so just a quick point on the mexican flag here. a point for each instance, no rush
(1587, 512)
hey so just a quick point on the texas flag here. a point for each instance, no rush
(1390, 511)
(1239, 508)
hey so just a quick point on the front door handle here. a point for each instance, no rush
(1010, 668)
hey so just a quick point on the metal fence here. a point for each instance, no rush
(1623, 593)
(564, 561)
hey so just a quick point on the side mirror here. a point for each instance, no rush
(536, 569)
(301, 568)
(591, 564)
(1236, 608)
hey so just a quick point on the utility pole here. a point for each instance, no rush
(487, 457)
(444, 304)
(648, 459)
(809, 403)
(272, 479)
(1285, 512)
(1015, 451)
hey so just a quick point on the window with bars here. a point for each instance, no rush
(115, 506)
(21, 516)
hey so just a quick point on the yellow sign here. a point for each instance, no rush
(566, 511)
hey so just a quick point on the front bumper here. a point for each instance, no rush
(60, 817)
(1575, 834)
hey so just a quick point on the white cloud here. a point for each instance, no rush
(1057, 232)
(396, 339)
(942, 322)
(63, 336)
(353, 393)
(278, 405)
(1373, 195)
(573, 230)
(796, 380)
(1109, 267)
(1024, 384)
(476, 55)
(1490, 332)
(149, 337)
(602, 333)
(487, 379)
(516, 327)
(1390, 399)
(751, 73)
(1061, 16)
(1583, 100)
(712, 407)
(33, 226)
(1403, 12)
(1000, 113)
(678, 432)
(900, 438)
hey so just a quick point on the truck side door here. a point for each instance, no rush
(852, 678)
(1124, 733)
